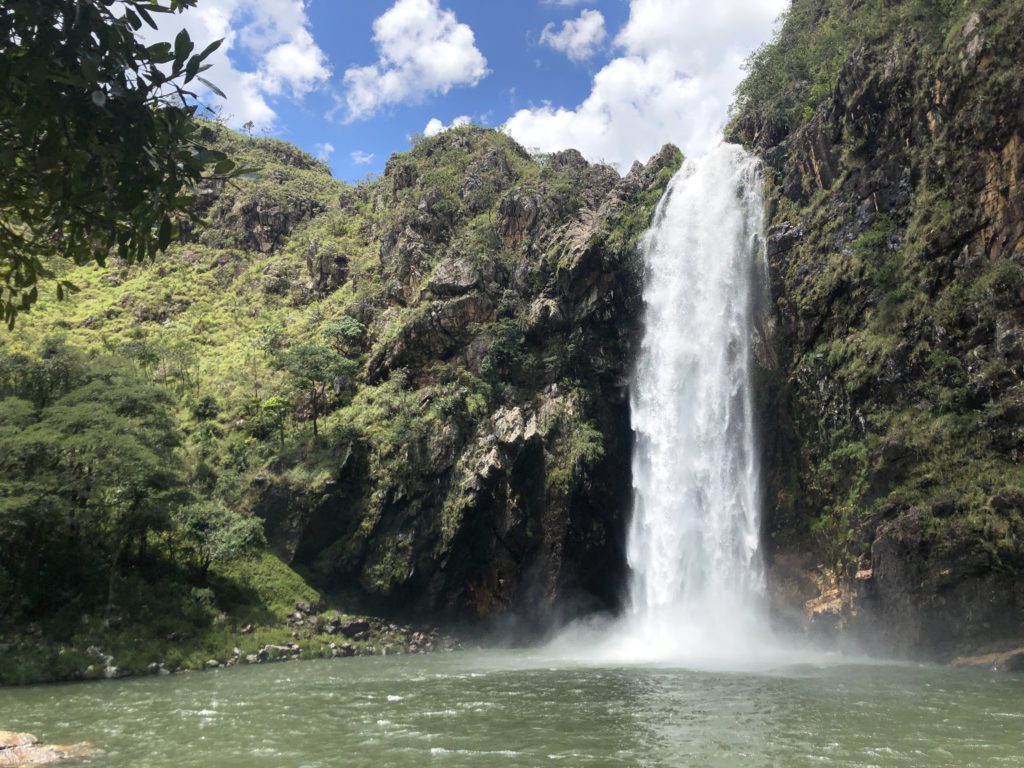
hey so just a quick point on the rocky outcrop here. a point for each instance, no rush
(999, 661)
(437, 333)
(21, 749)
(513, 276)
(892, 377)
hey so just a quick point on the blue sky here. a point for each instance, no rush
(352, 81)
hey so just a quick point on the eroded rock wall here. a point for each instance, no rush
(894, 373)
(505, 326)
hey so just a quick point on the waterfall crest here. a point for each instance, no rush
(697, 577)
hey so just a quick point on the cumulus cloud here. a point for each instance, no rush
(362, 158)
(423, 50)
(435, 126)
(324, 151)
(578, 38)
(679, 64)
(273, 36)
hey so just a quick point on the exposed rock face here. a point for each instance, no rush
(892, 375)
(521, 278)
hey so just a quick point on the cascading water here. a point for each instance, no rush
(698, 582)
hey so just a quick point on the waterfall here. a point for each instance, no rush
(697, 578)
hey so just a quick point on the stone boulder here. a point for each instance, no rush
(353, 628)
(20, 749)
(454, 277)
(1002, 661)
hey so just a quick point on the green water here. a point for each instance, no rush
(519, 709)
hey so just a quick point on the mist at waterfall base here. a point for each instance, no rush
(697, 594)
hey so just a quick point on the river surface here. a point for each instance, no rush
(520, 708)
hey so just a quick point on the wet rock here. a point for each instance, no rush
(343, 651)
(112, 672)
(1000, 661)
(22, 749)
(354, 628)
(10, 739)
(782, 237)
(269, 653)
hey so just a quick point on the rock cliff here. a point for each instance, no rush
(509, 297)
(893, 380)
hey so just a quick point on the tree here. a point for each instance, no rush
(99, 149)
(272, 414)
(216, 534)
(314, 368)
(344, 334)
(52, 371)
(86, 473)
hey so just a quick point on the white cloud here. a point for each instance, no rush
(423, 50)
(435, 126)
(273, 35)
(324, 151)
(362, 158)
(578, 38)
(680, 63)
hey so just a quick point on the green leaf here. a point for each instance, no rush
(212, 87)
(133, 19)
(144, 13)
(192, 69)
(209, 49)
(183, 46)
(207, 156)
(160, 53)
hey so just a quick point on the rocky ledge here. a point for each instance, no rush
(1000, 661)
(25, 749)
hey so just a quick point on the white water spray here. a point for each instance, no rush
(698, 581)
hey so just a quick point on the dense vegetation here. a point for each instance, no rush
(311, 341)
(792, 75)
